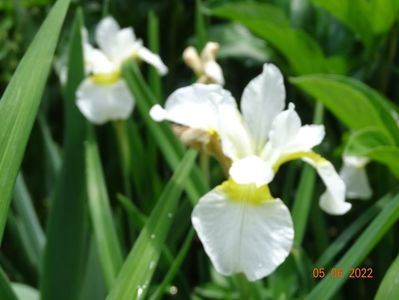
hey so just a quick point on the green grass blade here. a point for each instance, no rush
(136, 273)
(67, 224)
(389, 287)
(20, 102)
(200, 30)
(105, 234)
(359, 250)
(302, 203)
(174, 268)
(6, 291)
(330, 253)
(153, 43)
(26, 211)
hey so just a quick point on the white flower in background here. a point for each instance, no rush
(353, 173)
(104, 95)
(205, 66)
(242, 227)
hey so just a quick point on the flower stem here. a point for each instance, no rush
(243, 286)
(124, 154)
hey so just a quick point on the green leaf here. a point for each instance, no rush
(105, 234)
(326, 288)
(346, 97)
(375, 144)
(389, 287)
(365, 18)
(25, 292)
(269, 22)
(6, 291)
(27, 214)
(351, 231)
(67, 224)
(136, 273)
(20, 102)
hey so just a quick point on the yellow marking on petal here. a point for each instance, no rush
(106, 78)
(318, 159)
(248, 193)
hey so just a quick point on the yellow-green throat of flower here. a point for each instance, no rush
(248, 193)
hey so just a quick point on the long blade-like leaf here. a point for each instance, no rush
(107, 241)
(64, 261)
(20, 102)
(133, 280)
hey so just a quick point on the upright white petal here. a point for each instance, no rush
(240, 237)
(333, 199)
(251, 169)
(262, 100)
(195, 106)
(353, 173)
(102, 103)
(285, 127)
(153, 59)
(234, 135)
(106, 33)
(287, 136)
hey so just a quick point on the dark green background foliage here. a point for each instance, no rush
(81, 215)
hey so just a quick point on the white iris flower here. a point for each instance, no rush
(353, 173)
(104, 95)
(242, 227)
(205, 66)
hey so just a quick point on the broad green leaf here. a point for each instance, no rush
(136, 273)
(326, 288)
(389, 287)
(67, 224)
(375, 144)
(352, 102)
(170, 146)
(25, 292)
(105, 234)
(238, 42)
(20, 102)
(6, 291)
(365, 18)
(269, 22)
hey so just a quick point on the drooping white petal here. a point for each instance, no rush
(102, 103)
(333, 199)
(234, 135)
(251, 169)
(214, 72)
(354, 175)
(240, 237)
(194, 106)
(106, 32)
(262, 100)
(153, 59)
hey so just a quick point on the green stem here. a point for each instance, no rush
(124, 154)
(243, 286)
